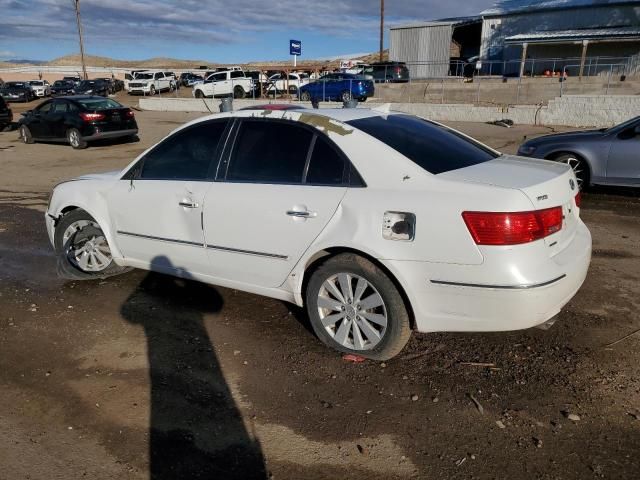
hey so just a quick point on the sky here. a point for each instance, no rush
(215, 30)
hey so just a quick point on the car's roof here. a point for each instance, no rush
(339, 114)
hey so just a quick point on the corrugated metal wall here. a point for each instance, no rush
(496, 29)
(427, 44)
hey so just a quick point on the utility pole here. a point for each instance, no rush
(381, 28)
(76, 4)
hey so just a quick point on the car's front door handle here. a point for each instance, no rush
(301, 214)
(188, 204)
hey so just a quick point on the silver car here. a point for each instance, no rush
(609, 156)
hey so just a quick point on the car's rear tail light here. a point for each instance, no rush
(130, 114)
(512, 228)
(398, 69)
(91, 117)
(578, 199)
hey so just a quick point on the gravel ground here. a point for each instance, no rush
(146, 376)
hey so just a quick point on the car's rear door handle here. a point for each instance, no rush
(189, 204)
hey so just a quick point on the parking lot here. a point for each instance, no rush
(146, 376)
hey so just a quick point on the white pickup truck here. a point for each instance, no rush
(224, 84)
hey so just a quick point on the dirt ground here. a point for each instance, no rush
(145, 376)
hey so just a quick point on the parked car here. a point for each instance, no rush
(339, 87)
(78, 120)
(75, 79)
(188, 79)
(377, 222)
(148, 83)
(62, 87)
(224, 84)
(114, 85)
(280, 82)
(387, 72)
(40, 88)
(17, 92)
(6, 115)
(129, 76)
(93, 87)
(609, 156)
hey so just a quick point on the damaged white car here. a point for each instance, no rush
(379, 223)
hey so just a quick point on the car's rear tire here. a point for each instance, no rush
(25, 135)
(82, 249)
(305, 96)
(75, 139)
(354, 307)
(346, 96)
(152, 91)
(579, 167)
(238, 92)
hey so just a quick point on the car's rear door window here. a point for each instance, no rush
(433, 147)
(186, 155)
(326, 165)
(269, 152)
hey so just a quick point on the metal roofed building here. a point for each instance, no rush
(526, 30)
(513, 34)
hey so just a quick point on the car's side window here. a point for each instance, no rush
(269, 152)
(237, 74)
(186, 155)
(45, 108)
(326, 166)
(60, 107)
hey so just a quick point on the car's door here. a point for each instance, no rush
(156, 209)
(57, 119)
(220, 84)
(159, 80)
(39, 121)
(277, 188)
(624, 156)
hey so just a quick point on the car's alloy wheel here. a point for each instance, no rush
(82, 248)
(199, 94)
(305, 96)
(352, 311)
(152, 91)
(346, 96)
(579, 167)
(354, 307)
(238, 92)
(25, 134)
(86, 247)
(75, 139)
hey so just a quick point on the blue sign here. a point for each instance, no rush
(295, 47)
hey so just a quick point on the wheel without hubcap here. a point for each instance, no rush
(75, 139)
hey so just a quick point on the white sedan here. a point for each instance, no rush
(379, 223)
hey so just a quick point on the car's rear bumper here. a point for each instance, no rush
(442, 302)
(6, 118)
(113, 134)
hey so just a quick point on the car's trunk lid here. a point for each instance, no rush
(546, 184)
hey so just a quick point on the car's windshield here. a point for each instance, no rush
(623, 125)
(36, 83)
(14, 85)
(433, 147)
(87, 84)
(99, 103)
(60, 83)
(144, 76)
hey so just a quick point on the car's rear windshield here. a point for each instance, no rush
(434, 147)
(99, 103)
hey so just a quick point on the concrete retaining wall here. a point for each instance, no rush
(571, 110)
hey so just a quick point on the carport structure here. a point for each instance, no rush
(610, 42)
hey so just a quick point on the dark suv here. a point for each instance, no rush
(6, 115)
(396, 72)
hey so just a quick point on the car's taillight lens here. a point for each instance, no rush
(91, 117)
(512, 228)
(130, 114)
(578, 199)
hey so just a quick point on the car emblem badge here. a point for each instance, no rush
(572, 184)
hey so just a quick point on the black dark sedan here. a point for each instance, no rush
(609, 156)
(93, 87)
(62, 87)
(6, 115)
(77, 120)
(17, 92)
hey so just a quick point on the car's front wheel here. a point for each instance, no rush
(305, 96)
(579, 167)
(25, 134)
(356, 308)
(82, 248)
(199, 94)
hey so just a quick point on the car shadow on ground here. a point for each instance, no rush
(196, 429)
